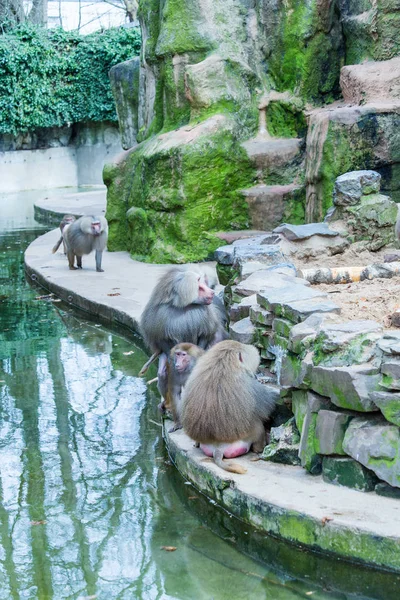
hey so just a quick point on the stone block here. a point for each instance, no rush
(264, 237)
(267, 254)
(224, 255)
(299, 407)
(307, 329)
(282, 327)
(347, 387)
(390, 343)
(390, 370)
(371, 81)
(300, 310)
(262, 339)
(348, 472)
(351, 186)
(303, 232)
(371, 221)
(266, 279)
(284, 444)
(334, 336)
(260, 316)
(384, 489)
(247, 268)
(330, 430)
(243, 331)
(309, 457)
(277, 299)
(241, 310)
(389, 404)
(375, 443)
(296, 372)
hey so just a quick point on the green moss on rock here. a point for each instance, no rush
(188, 192)
(309, 53)
(349, 473)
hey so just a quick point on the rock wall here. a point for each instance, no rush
(223, 123)
(339, 379)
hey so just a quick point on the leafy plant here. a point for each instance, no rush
(49, 78)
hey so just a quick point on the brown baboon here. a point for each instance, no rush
(66, 220)
(83, 236)
(181, 361)
(223, 406)
(180, 309)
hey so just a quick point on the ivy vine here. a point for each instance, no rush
(49, 78)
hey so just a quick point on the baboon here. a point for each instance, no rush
(180, 364)
(180, 309)
(207, 272)
(223, 406)
(66, 220)
(83, 236)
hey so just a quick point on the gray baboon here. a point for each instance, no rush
(180, 309)
(66, 220)
(83, 236)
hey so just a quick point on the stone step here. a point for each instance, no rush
(371, 81)
(269, 153)
(268, 203)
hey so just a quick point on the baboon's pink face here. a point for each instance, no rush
(182, 361)
(206, 294)
(96, 228)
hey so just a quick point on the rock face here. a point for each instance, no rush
(124, 80)
(218, 110)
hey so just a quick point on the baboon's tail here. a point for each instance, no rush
(218, 456)
(56, 247)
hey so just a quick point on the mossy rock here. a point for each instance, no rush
(187, 186)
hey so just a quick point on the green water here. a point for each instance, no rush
(88, 499)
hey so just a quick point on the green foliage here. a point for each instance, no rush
(51, 77)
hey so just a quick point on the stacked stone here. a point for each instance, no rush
(367, 215)
(340, 379)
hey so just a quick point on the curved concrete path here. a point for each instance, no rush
(282, 500)
(118, 295)
(52, 208)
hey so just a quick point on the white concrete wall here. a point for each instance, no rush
(73, 165)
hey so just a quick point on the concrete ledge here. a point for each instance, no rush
(288, 503)
(51, 209)
(281, 500)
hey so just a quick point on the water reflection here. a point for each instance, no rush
(88, 500)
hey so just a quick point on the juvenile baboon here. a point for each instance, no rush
(181, 361)
(83, 236)
(180, 309)
(66, 220)
(223, 406)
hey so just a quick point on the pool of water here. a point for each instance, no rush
(90, 507)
